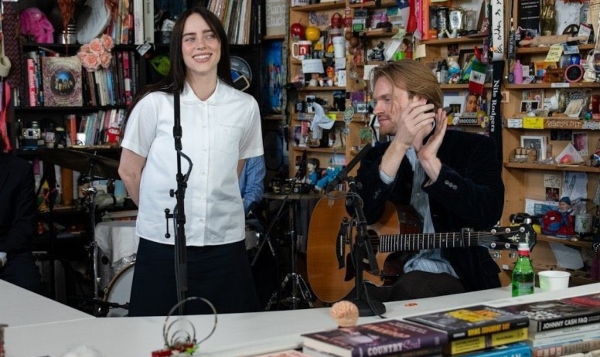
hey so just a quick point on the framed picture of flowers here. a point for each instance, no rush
(61, 77)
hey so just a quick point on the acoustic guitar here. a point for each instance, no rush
(330, 267)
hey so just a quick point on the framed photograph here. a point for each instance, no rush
(535, 142)
(533, 94)
(62, 81)
(472, 103)
(580, 142)
(464, 58)
(529, 106)
(361, 107)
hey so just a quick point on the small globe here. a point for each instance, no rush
(313, 33)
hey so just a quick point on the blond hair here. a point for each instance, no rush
(411, 76)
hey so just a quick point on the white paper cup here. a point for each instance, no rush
(553, 280)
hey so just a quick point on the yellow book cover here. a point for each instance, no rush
(476, 343)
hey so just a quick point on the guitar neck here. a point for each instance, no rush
(408, 242)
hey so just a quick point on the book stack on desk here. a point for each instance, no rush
(385, 338)
(476, 328)
(565, 326)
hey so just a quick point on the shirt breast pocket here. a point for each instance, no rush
(228, 138)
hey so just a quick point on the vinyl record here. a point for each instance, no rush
(240, 65)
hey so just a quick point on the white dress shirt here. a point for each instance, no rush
(216, 134)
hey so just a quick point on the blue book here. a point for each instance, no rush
(517, 349)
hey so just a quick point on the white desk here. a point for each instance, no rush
(20, 307)
(236, 334)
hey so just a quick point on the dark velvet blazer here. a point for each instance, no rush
(17, 205)
(468, 193)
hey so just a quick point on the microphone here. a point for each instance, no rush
(343, 174)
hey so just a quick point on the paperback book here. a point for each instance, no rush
(563, 349)
(518, 349)
(472, 321)
(375, 339)
(479, 343)
(554, 314)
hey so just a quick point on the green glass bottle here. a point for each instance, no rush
(523, 276)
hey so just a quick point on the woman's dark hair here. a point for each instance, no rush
(175, 78)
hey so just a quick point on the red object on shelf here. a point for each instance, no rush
(411, 26)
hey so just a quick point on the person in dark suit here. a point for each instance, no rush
(17, 221)
(452, 179)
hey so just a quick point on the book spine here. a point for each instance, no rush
(563, 331)
(519, 349)
(592, 316)
(566, 348)
(149, 21)
(31, 82)
(39, 82)
(476, 343)
(127, 78)
(565, 338)
(486, 330)
(425, 19)
(138, 22)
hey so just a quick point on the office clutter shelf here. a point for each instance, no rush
(551, 134)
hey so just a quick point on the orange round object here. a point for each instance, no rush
(312, 33)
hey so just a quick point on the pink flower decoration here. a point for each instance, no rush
(107, 42)
(96, 53)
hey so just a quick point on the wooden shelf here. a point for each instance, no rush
(541, 50)
(460, 86)
(450, 41)
(321, 89)
(551, 85)
(339, 116)
(565, 241)
(545, 123)
(372, 4)
(320, 7)
(542, 167)
(322, 150)
(273, 37)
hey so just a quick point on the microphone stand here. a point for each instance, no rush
(362, 245)
(178, 215)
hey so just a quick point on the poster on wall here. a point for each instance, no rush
(275, 17)
(273, 57)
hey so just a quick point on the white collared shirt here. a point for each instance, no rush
(216, 134)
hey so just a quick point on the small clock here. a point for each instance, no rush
(574, 73)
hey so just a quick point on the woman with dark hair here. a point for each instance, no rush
(221, 129)
(17, 221)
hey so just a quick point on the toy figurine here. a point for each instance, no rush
(330, 175)
(35, 23)
(312, 166)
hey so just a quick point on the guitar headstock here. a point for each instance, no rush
(509, 237)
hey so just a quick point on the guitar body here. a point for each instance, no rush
(329, 281)
(329, 260)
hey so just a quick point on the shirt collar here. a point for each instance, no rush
(218, 97)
